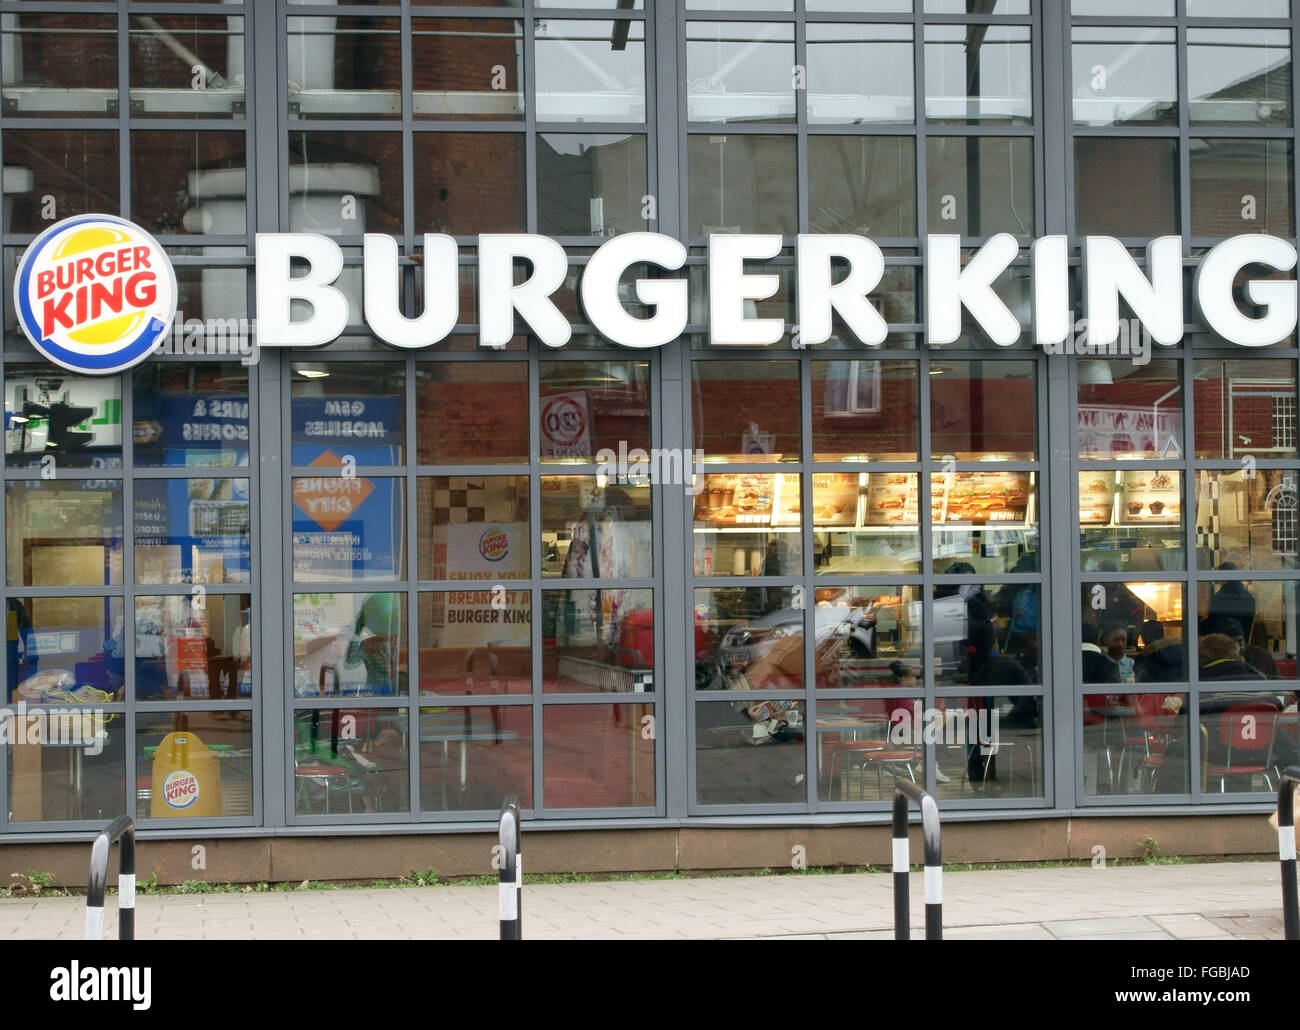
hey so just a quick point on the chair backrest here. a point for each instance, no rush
(1248, 726)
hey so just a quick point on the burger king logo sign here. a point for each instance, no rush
(95, 293)
(494, 545)
(180, 789)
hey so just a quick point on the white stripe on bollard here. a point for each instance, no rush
(507, 902)
(934, 885)
(519, 871)
(125, 890)
(900, 855)
(1286, 842)
(94, 924)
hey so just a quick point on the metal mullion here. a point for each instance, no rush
(411, 532)
(331, 701)
(529, 85)
(173, 708)
(535, 546)
(1191, 562)
(123, 111)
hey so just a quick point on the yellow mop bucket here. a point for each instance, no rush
(186, 778)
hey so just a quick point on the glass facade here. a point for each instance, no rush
(375, 586)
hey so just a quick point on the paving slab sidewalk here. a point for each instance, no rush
(1226, 900)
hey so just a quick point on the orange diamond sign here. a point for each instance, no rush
(329, 501)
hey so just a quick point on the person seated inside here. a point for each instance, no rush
(1161, 659)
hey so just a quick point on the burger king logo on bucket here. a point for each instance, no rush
(494, 545)
(180, 789)
(95, 293)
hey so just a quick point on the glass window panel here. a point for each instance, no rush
(590, 185)
(327, 167)
(1239, 76)
(978, 185)
(729, 770)
(1238, 8)
(466, 68)
(746, 410)
(469, 182)
(1132, 632)
(194, 765)
(191, 415)
(349, 528)
(187, 66)
(1241, 186)
(862, 184)
(588, 407)
(59, 65)
(879, 633)
(865, 523)
(590, 71)
(63, 533)
(63, 644)
(473, 527)
(76, 167)
(861, 6)
(739, 71)
(593, 5)
(189, 182)
(747, 525)
(1247, 518)
(472, 757)
(598, 641)
(1125, 187)
(75, 419)
(1121, 8)
(990, 747)
(1128, 410)
(740, 5)
(1245, 407)
(1259, 620)
(595, 756)
(1247, 739)
(863, 746)
(351, 761)
(349, 645)
(986, 635)
(983, 410)
(781, 304)
(1131, 520)
(987, 519)
(345, 68)
(348, 409)
(976, 7)
(76, 771)
(978, 73)
(593, 528)
(860, 74)
(752, 638)
(193, 648)
(474, 643)
(472, 413)
(212, 310)
(1135, 744)
(191, 531)
(865, 410)
(1124, 76)
(741, 184)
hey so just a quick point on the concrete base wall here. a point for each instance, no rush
(697, 849)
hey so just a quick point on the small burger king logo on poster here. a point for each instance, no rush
(95, 293)
(494, 545)
(180, 789)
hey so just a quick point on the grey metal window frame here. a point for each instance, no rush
(268, 125)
